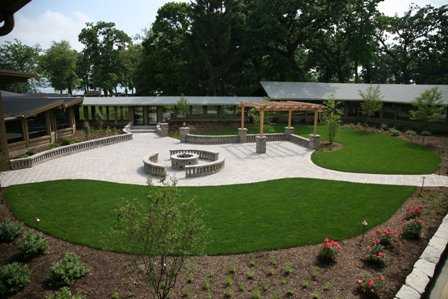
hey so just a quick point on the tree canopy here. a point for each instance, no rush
(226, 47)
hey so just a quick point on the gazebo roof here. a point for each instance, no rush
(283, 106)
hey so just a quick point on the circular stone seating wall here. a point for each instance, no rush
(152, 167)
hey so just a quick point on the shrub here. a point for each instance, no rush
(411, 133)
(67, 270)
(9, 231)
(412, 229)
(413, 212)
(375, 254)
(328, 251)
(66, 142)
(394, 132)
(32, 245)
(64, 293)
(425, 133)
(370, 287)
(385, 236)
(384, 127)
(288, 269)
(13, 278)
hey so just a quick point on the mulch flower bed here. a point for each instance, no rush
(293, 273)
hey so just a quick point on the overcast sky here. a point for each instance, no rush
(44, 21)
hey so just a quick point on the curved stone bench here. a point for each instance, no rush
(204, 169)
(204, 155)
(152, 166)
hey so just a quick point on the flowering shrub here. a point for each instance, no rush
(413, 212)
(412, 229)
(375, 255)
(328, 251)
(370, 287)
(385, 236)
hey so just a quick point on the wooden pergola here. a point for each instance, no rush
(289, 106)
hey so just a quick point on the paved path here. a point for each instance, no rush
(122, 163)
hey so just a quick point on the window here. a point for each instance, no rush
(14, 131)
(37, 126)
(62, 119)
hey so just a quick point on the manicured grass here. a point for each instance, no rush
(365, 152)
(375, 153)
(241, 218)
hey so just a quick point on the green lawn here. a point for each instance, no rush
(365, 152)
(241, 218)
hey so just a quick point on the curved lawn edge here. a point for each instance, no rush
(242, 218)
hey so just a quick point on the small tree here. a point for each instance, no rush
(167, 229)
(428, 106)
(332, 115)
(183, 107)
(372, 101)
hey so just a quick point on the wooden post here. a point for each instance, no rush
(262, 121)
(4, 152)
(242, 116)
(289, 119)
(316, 116)
(25, 132)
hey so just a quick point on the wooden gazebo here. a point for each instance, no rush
(289, 106)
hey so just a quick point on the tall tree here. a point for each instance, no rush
(59, 65)
(129, 60)
(216, 45)
(102, 45)
(19, 57)
(401, 38)
(163, 66)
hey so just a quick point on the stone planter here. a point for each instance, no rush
(242, 132)
(260, 141)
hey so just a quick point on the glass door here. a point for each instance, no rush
(139, 119)
(152, 115)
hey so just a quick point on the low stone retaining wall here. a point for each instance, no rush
(204, 169)
(418, 280)
(152, 167)
(66, 150)
(204, 155)
(311, 143)
(211, 139)
(226, 139)
(299, 140)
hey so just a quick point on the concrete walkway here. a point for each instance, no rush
(122, 163)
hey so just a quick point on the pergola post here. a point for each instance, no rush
(289, 119)
(262, 121)
(316, 117)
(242, 117)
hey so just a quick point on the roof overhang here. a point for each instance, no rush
(7, 10)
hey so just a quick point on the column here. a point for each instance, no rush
(26, 134)
(242, 117)
(262, 121)
(289, 129)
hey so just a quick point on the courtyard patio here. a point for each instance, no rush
(122, 163)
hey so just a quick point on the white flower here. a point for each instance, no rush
(38, 219)
(364, 222)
